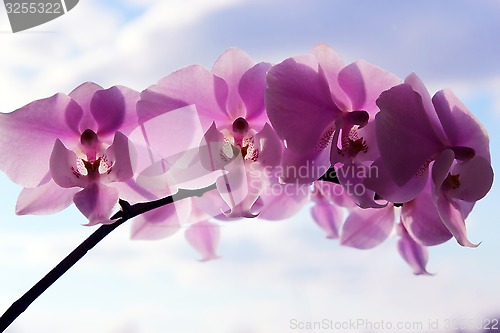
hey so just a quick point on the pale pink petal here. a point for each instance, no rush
(114, 109)
(422, 221)
(190, 85)
(212, 204)
(328, 217)
(367, 228)
(83, 96)
(299, 103)
(381, 183)
(413, 253)
(204, 237)
(333, 193)
(231, 66)
(331, 64)
(364, 83)
(453, 219)
(121, 156)
(252, 88)
(269, 145)
(213, 149)
(96, 202)
(64, 168)
(48, 198)
(161, 222)
(29, 133)
(475, 177)
(462, 127)
(405, 135)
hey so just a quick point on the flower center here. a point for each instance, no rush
(240, 126)
(451, 181)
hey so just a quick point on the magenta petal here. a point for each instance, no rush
(475, 177)
(251, 88)
(64, 168)
(231, 66)
(161, 222)
(304, 168)
(405, 135)
(299, 103)
(331, 64)
(204, 237)
(328, 217)
(381, 183)
(122, 156)
(333, 193)
(29, 133)
(114, 109)
(422, 221)
(48, 198)
(461, 127)
(367, 228)
(96, 202)
(364, 83)
(190, 85)
(453, 219)
(441, 167)
(269, 145)
(83, 96)
(413, 253)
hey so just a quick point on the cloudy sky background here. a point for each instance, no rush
(270, 273)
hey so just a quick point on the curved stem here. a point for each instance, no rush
(127, 212)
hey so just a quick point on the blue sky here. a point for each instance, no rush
(270, 273)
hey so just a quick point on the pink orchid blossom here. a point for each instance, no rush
(62, 143)
(413, 253)
(414, 130)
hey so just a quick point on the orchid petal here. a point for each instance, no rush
(364, 83)
(122, 156)
(29, 133)
(83, 96)
(304, 168)
(333, 193)
(462, 127)
(328, 217)
(190, 85)
(367, 228)
(114, 109)
(422, 221)
(96, 202)
(299, 103)
(251, 89)
(453, 219)
(204, 237)
(48, 198)
(441, 167)
(405, 136)
(269, 145)
(64, 168)
(413, 253)
(231, 66)
(476, 179)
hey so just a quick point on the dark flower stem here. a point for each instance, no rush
(127, 212)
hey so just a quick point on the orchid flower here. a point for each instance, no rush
(62, 143)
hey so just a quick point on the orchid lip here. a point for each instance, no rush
(89, 137)
(240, 126)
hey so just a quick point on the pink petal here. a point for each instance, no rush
(122, 154)
(96, 202)
(114, 109)
(364, 83)
(29, 133)
(328, 217)
(304, 168)
(48, 198)
(299, 103)
(461, 127)
(269, 145)
(441, 167)
(161, 222)
(251, 88)
(190, 85)
(453, 219)
(413, 253)
(367, 228)
(231, 66)
(381, 183)
(422, 221)
(331, 64)
(204, 237)
(405, 136)
(64, 168)
(83, 96)
(475, 177)
(333, 193)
